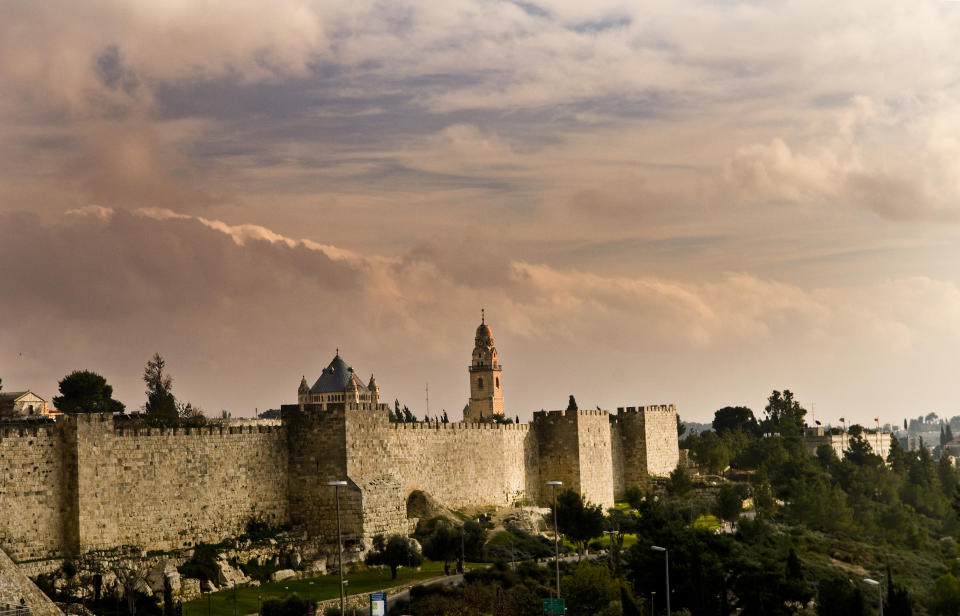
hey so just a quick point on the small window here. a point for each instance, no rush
(480, 382)
(498, 382)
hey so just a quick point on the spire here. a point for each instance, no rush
(483, 317)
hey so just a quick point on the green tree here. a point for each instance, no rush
(946, 595)
(441, 541)
(947, 475)
(398, 550)
(293, 605)
(83, 391)
(859, 450)
(577, 519)
(899, 602)
(839, 597)
(710, 451)
(735, 419)
(589, 589)
(897, 457)
(729, 503)
(763, 500)
(161, 406)
(679, 483)
(784, 414)
(474, 537)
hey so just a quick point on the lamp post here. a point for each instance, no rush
(666, 556)
(879, 591)
(336, 489)
(614, 550)
(653, 593)
(556, 533)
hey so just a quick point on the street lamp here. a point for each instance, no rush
(879, 591)
(336, 489)
(666, 556)
(556, 534)
(614, 550)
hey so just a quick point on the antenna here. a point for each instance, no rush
(428, 398)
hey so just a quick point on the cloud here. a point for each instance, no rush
(235, 304)
(894, 162)
(640, 181)
(105, 55)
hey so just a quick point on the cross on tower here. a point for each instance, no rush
(483, 318)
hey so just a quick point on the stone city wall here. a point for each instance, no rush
(317, 455)
(559, 447)
(460, 465)
(170, 488)
(85, 484)
(34, 493)
(596, 460)
(575, 448)
(660, 439)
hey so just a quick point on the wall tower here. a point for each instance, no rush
(486, 393)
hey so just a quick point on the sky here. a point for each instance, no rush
(693, 203)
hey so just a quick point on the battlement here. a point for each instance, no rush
(107, 423)
(213, 430)
(28, 431)
(652, 408)
(550, 415)
(458, 426)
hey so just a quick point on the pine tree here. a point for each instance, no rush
(161, 406)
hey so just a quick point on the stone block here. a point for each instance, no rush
(282, 574)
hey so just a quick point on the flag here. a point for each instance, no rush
(876, 419)
(842, 419)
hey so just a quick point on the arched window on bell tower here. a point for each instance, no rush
(480, 382)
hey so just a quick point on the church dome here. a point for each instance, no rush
(484, 337)
(483, 331)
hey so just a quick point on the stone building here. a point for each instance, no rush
(814, 437)
(19, 404)
(338, 384)
(88, 483)
(486, 390)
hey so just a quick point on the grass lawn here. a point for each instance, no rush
(319, 588)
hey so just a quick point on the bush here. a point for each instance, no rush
(507, 545)
(293, 605)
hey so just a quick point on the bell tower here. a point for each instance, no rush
(486, 393)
